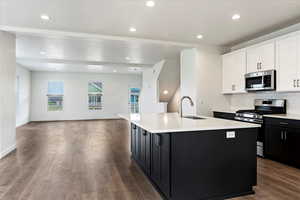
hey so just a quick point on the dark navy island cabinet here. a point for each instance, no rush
(197, 165)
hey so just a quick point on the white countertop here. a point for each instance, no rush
(285, 116)
(172, 122)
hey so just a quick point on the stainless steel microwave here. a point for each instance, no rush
(261, 81)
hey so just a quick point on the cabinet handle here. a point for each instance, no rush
(285, 135)
(298, 84)
(283, 123)
(294, 83)
(258, 65)
(281, 135)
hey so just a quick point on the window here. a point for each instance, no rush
(95, 95)
(134, 95)
(55, 95)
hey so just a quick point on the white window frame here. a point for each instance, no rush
(56, 95)
(95, 95)
(130, 106)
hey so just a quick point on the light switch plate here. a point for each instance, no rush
(230, 134)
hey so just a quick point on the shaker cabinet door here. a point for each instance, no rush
(160, 163)
(253, 60)
(287, 63)
(227, 74)
(292, 146)
(234, 69)
(267, 56)
(274, 142)
(145, 151)
(133, 140)
(261, 57)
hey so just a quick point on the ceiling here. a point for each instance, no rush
(86, 54)
(169, 20)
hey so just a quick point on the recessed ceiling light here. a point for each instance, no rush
(115, 71)
(150, 3)
(199, 36)
(43, 53)
(45, 17)
(128, 58)
(166, 92)
(236, 17)
(132, 29)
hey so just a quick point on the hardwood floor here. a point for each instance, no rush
(90, 160)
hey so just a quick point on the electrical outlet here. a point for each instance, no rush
(230, 134)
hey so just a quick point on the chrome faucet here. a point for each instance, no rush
(181, 100)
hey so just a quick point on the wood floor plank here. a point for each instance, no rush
(90, 160)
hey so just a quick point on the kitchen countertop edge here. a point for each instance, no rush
(245, 125)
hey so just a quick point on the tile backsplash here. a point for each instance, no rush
(238, 101)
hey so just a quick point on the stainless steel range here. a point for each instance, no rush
(262, 107)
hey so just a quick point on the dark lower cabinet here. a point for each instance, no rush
(133, 141)
(145, 155)
(282, 141)
(160, 162)
(140, 147)
(152, 153)
(197, 165)
(293, 147)
(275, 144)
(138, 155)
(210, 166)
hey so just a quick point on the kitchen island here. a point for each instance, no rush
(195, 158)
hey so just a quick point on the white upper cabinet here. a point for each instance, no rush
(227, 76)
(234, 69)
(288, 63)
(261, 57)
(253, 60)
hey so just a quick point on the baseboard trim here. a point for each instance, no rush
(7, 151)
(23, 124)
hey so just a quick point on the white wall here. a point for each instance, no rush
(201, 79)
(150, 90)
(188, 79)
(209, 81)
(173, 105)
(115, 95)
(7, 93)
(23, 96)
(169, 79)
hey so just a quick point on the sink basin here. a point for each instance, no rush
(193, 117)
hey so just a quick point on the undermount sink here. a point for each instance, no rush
(193, 117)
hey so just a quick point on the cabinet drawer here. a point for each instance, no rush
(224, 115)
(288, 123)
